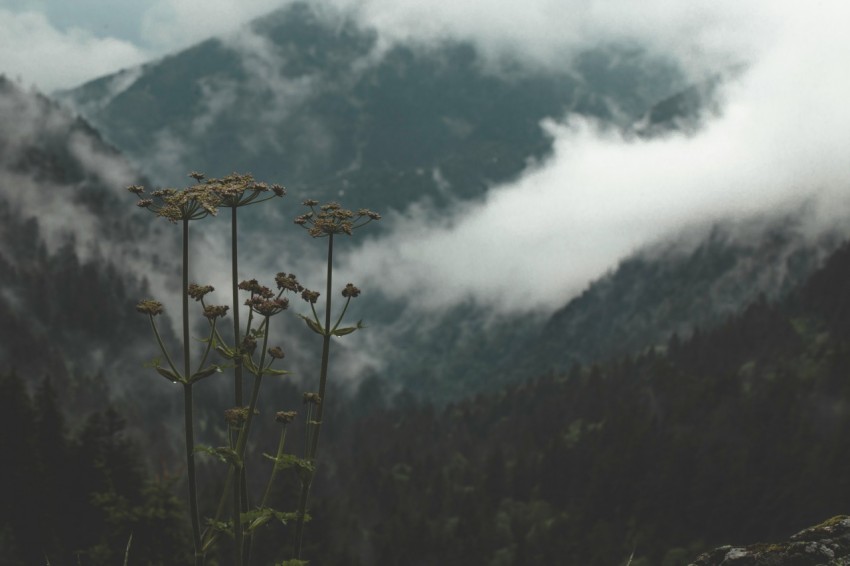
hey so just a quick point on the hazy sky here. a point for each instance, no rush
(780, 137)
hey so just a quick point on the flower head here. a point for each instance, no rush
(237, 190)
(236, 415)
(331, 218)
(350, 291)
(198, 292)
(267, 307)
(288, 281)
(213, 312)
(285, 417)
(310, 296)
(150, 307)
(312, 398)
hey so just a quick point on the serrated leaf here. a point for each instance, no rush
(168, 374)
(206, 372)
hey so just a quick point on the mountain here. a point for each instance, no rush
(313, 101)
(307, 98)
(70, 247)
(734, 435)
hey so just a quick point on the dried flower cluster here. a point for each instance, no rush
(331, 218)
(196, 202)
(205, 198)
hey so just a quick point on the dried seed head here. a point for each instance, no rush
(197, 176)
(350, 291)
(312, 398)
(249, 344)
(333, 219)
(198, 292)
(144, 203)
(278, 190)
(150, 307)
(267, 307)
(276, 353)
(136, 189)
(236, 415)
(213, 312)
(310, 296)
(250, 285)
(285, 417)
(288, 281)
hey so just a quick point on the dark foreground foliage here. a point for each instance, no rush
(734, 435)
(75, 498)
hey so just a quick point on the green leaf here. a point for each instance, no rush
(224, 453)
(206, 372)
(220, 526)
(271, 371)
(285, 461)
(258, 517)
(249, 364)
(168, 374)
(344, 331)
(225, 352)
(313, 325)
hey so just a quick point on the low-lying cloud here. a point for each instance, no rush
(778, 141)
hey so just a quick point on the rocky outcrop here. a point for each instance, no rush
(827, 544)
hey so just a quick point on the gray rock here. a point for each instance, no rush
(827, 544)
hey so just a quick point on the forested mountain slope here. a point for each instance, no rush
(69, 246)
(734, 435)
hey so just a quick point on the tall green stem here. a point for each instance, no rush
(188, 410)
(240, 489)
(234, 278)
(326, 348)
(317, 422)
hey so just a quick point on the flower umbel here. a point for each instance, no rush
(150, 307)
(331, 218)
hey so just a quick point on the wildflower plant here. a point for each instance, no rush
(248, 352)
(324, 221)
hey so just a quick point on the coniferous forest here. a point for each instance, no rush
(735, 433)
(486, 412)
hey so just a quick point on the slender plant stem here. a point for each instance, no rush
(240, 489)
(326, 347)
(317, 422)
(234, 278)
(280, 446)
(188, 411)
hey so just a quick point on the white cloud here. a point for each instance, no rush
(53, 46)
(175, 24)
(34, 50)
(701, 33)
(780, 139)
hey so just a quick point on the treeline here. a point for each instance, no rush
(733, 435)
(76, 497)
